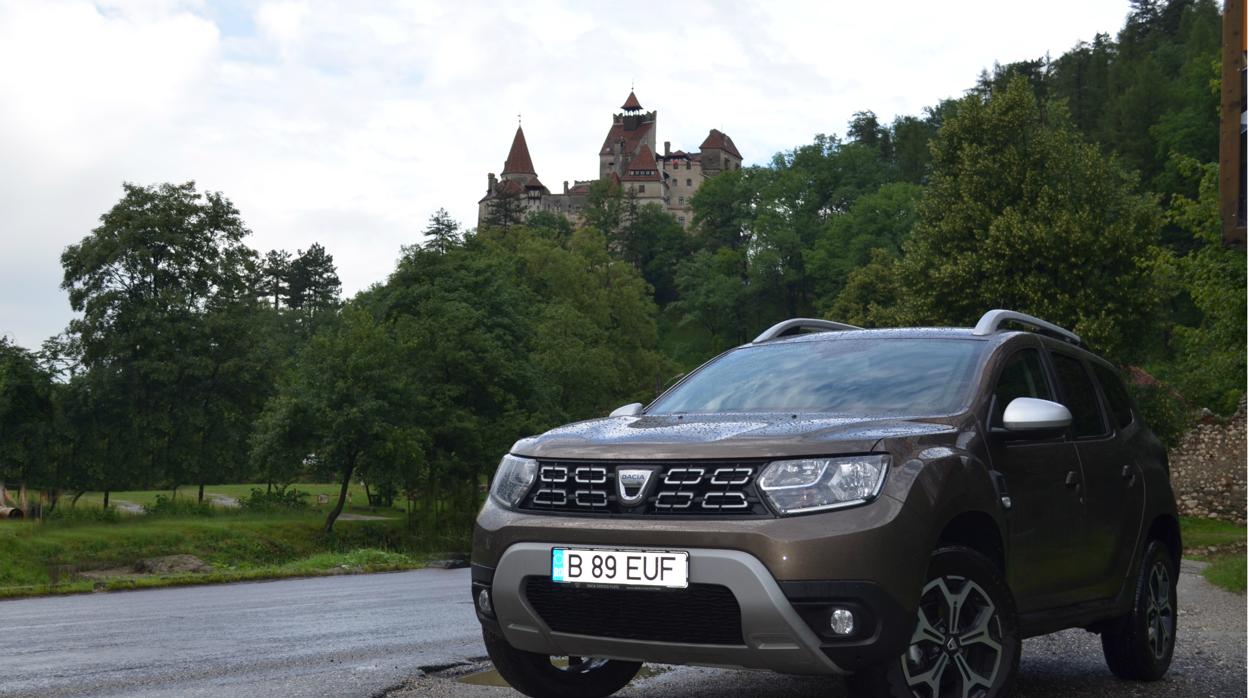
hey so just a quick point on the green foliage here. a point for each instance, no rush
(77, 516)
(442, 233)
(172, 506)
(1021, 213)
(278, 498)
(879, 221)
(1164, 411)
(26, 415)
(1207, 357)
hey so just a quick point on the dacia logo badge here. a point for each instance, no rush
(632, 485)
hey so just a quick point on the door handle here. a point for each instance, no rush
(1128, 474)
(1072, 479)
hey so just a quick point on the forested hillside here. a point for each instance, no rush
(1080, 188)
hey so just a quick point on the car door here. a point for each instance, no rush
(1113, 487)
(1041, 477)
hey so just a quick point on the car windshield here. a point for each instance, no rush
(848, 376)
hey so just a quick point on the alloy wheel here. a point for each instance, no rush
(956, 647)
(1160, 612)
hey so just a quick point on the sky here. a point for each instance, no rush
(350, 123)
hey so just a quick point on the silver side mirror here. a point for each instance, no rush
(629, 410)
(1032, 414)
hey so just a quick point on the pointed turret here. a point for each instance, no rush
(631, 104)
(518, 160)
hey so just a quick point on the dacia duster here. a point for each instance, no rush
(901, 505)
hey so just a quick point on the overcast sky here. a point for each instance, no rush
(349, 123)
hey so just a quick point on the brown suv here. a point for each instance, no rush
(902, 505)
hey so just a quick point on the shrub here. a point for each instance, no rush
(166, 506)
(278, 499)
(1164, 412)
(65, 515)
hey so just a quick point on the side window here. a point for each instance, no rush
(1080, 396)
(1115, 395)
(1023, 376)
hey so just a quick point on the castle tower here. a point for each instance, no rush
(519, 163)
(719, 153)
(518, 179)
(631, 129)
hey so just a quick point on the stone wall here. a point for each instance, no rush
(1208, 469)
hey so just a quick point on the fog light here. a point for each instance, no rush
(484, 605)
(842, 621)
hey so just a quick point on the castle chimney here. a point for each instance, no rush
(565, 186)
(492, 185)
(667, 148)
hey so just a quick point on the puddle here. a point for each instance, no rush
(491, 677)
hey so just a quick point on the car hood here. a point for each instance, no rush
(721, 436)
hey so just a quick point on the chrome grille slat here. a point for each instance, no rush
(714, 489)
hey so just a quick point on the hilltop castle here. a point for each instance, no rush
(629, 157)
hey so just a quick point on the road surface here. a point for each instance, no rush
(410, 634)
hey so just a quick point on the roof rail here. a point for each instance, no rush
(780, 329)
(992, 321)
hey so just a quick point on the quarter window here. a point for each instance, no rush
(1115, 395)
(1023, 376)
(1080, 396)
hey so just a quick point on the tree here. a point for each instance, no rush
(442, 233)
(26, 415)
(147, 281)
(274, 278)
(1022, 213)
(879, 221)
(1208, 354)
(506, 208)
(313, 281)
(348, 395)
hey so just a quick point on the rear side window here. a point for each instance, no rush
(1080, 396)
(1115, 395)
(1023, 376)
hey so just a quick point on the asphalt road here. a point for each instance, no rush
(413, 634)
(327, 636)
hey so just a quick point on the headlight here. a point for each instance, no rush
(514, 478)
(813, 484)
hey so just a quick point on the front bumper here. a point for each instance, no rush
(776, 617)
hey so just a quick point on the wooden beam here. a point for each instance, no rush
(1231, 177)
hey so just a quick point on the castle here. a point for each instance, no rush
(628, 157)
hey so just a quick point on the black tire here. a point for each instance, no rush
(1140, 645)
(988, 648)
(535, 675)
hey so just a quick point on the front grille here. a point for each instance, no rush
(692, 488)
(704, 614)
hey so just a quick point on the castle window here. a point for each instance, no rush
(641, 188)
(682, 201)
(688, 182)
(681, 220)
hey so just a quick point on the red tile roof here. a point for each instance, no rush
(642, 168)
(632, 139)
(717, 139)
(631, 104)
(518, 160)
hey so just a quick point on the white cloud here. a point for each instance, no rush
(350, 123)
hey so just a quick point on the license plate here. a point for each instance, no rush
(627, 567)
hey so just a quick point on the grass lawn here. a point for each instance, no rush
(43, 558)
(1226, 570)
(357, 500)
